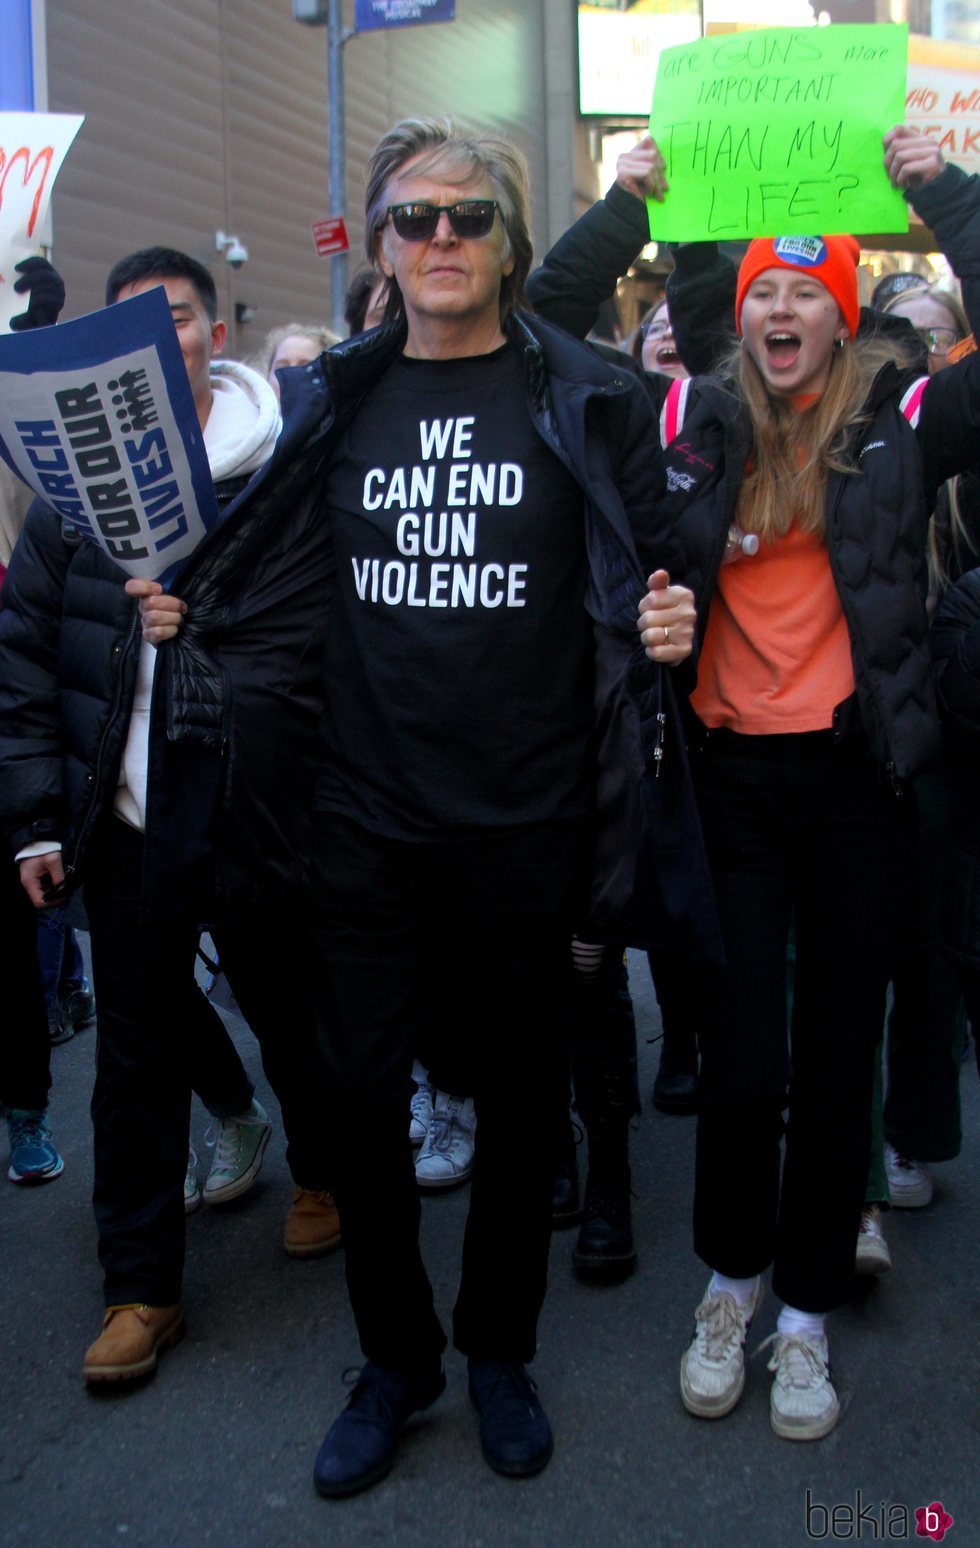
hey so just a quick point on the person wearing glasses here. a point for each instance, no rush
(654, 346)
(484, 482)
(937, 317)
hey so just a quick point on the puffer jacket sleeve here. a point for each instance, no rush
(581, 270)
(949, 420)
(955, 645)
(31, 754)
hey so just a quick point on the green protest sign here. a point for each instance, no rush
(778, 133)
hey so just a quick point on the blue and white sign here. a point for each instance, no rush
(98, 417)
(369, 15)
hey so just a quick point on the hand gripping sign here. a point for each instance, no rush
(779, 132)
(32, 148)
(97, 416)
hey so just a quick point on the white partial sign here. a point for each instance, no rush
(32, 149)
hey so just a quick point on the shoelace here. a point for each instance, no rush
(795, 1361)
(517, 1382)
(227, 1134)
(719, 1327)
(30, 1131)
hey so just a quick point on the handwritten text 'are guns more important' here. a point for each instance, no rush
(779, 132)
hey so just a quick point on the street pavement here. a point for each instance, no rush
(218, 1448)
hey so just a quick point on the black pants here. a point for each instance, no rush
(795, 826)
(156, 1040)
(25, 1049)
(502, 905)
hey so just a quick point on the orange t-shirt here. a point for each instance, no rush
(776, 654)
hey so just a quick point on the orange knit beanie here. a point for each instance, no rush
(832, 260)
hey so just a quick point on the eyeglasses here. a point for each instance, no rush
(655, 330)
(938, 341)
(469, 219)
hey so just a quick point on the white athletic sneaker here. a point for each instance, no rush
(446, 1157)
(872, 1255)
(239, 1146)
(803, 1404)
(909, 1182)
(713, 1368)
(421, 1106)
(192, 1193)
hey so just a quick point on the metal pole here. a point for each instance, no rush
(336, 39)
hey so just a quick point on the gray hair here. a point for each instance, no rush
(459, 159)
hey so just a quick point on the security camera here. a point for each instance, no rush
(233, 248)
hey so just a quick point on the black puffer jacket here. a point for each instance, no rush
(244, 672)
(955, 642)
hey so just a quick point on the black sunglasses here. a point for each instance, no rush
(470, 218)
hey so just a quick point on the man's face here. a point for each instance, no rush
(447, 277)
(199, 337)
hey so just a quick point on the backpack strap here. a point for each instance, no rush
(911, 401)
(673, 412)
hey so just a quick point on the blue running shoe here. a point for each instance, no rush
(33, 1158)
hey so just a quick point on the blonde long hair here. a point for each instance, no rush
(794, 450)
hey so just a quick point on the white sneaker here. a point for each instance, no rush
(871, 1255)
(192, 1193)
(713, 1368)
(446, 1157)
(420, 1106)
(239, 1145)
(803, 1404)
(909, 1182)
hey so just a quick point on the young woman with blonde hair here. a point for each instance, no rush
(812, 710)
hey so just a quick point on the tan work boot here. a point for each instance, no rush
(130, 1341)
(312, 1226)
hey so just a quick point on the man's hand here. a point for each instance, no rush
(641, 170)
(43, 878)
(668, 619)
(45, 292)
(911, 159)
(161, 615)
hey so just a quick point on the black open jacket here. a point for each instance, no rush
(237, 693)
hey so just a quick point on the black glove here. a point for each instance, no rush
(47, 294)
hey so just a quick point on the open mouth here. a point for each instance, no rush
(667, 356)
(782, 349)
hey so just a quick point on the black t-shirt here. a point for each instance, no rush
(459, 652)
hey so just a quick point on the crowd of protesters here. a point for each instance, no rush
(506, 652)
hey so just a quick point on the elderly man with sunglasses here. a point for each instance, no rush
(483, 479)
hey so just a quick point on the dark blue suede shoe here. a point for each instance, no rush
(514, 1429)
(359, 1447)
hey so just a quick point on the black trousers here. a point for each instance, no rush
(795, 826)
(25, 1047)
(158, 1039)
(502, 905)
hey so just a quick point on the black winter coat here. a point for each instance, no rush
(955, 643)
(222, 829)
